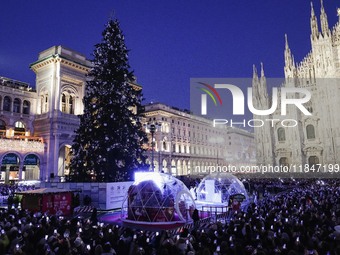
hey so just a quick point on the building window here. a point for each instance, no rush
(67, 103)
(19, 128)
(310, 130)
(16, 105)
(44, 103)
(26, 107)
(63, 103)
(71, 104)
(281, 135)
(7, 104)
(2, 128)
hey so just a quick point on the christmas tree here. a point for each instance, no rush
(108, 142)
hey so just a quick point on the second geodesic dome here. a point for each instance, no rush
(158, 197)
(221, 188)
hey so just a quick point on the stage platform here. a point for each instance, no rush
(115, 219)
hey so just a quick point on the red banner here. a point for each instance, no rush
(58, 203)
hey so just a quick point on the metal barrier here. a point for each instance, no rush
(213, 211)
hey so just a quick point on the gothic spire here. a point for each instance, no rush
(286, 42)
(288, 54)
(314, 23)
(263, 83)
(254, 72)
(324, 21)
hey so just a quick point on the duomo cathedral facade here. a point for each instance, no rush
(316, 137)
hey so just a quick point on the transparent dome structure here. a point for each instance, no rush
(221, 188)
(158, 197)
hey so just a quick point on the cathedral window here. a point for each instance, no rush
(310, 130)
(281, 135)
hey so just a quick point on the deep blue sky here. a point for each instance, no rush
(170, 41)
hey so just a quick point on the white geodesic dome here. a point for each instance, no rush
(221, 188)
(158, 197)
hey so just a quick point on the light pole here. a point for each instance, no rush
(152, 127)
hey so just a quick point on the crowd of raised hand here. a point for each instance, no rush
(302, 220)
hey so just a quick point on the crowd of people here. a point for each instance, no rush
(303, 220)
(8, 190)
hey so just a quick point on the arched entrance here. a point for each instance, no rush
(165, 166)
(185, 168)
(313, 162)
(64, 160)
(179, 167)
(173, 168)
(10, 167)
(156, 166)
(283, 161)
(31, 169)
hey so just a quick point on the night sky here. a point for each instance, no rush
(169, 41)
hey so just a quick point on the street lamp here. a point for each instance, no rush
(152, 127)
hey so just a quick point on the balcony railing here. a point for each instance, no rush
(22, 144)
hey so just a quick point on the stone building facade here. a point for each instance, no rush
(316, 137)
(37, 126)
(185, 144)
